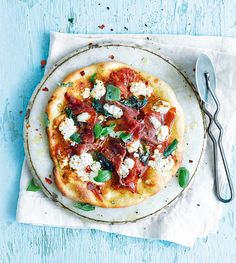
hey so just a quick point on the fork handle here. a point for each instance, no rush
(215, 152)
(220, 137)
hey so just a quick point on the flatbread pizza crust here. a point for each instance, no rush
(68, 181)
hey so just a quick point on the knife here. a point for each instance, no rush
(206, 85)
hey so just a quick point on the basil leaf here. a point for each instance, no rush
(105, 163)
(134, 102)
(172, 147)
(75, 137)
(63, 84)
(107, 130)
(33, 187)
(103, 176)
(92, 78)
(113, 93)
(183, 177)
(99, 108)
(97, 130)
(84, 206)
(46, 121)
(69, 112)
(125, 137)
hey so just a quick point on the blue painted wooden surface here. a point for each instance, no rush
(24, 31)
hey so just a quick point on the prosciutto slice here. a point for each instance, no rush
(114, 151)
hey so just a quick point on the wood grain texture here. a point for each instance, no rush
(24, 30)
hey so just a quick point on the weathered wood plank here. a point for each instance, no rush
(24, 30)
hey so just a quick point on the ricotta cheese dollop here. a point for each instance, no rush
(162, 133)
(155, 122)
(98, 90)
(115, 111)
(140, 88)
(125, 167)
(83, 117)
(161, 163)
(67, 128)
(86, 93)
(133, 147)
(80, 163)
(161, 106)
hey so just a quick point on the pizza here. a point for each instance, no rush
(115, 135)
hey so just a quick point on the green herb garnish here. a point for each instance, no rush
(84, 206)
(63, 84)
(93, 78)
(100, 131)
(113, 93)
(99, 108)
(97, 130)
(125, 137)
(134, 102)
(69, 112)
(183, 177)
(103, 176)
(75, 137)
(172, 147)
(33, 187)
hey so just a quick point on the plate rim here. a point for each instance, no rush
(51, 71)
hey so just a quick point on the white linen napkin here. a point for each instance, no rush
(197, 212)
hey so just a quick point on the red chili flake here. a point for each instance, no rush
(152, 158)
(111, 57)
(47, 180)
(190, 161)
(88, 169)
(102, 26)
(43, 63)
(82, 73)
(45, 89)
(28, 126)
(146, 83)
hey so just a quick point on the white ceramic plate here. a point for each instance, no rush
(36, 144)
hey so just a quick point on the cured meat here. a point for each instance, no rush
(122, 77)
(132, 179)
(114, 151)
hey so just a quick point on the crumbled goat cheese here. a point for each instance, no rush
(115, 111)
(98, 90)
(161, 106)
(155, 122)
(86, 93)
(125, 167)
(162, 133)
(139, 88)
(133, 147)
(80, 163)
(101, 118)
(67, 128)
(160, 162)
(83, 117)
